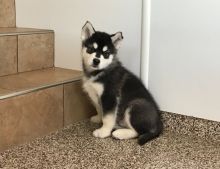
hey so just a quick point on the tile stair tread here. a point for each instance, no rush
(26, 82)
(20, 31)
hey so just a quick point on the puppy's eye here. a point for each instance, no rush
(106, 54)
(90, 50)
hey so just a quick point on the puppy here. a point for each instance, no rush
(125, 107)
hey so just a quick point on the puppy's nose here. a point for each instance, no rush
(96, 61)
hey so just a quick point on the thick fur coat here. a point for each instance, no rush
(124, 106)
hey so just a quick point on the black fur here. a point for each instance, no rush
(145, 117)
(123, 86)
(102, 39)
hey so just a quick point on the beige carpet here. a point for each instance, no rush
(75, 147)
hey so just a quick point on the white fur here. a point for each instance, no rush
(97, 118)
(95, 45)
(126, 133)
(108, 125)
(127, 118)
(123, 134)
(105, 62)
(94, 89)
(105, 48)
(88, 60)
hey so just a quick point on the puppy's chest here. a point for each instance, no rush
(94, 89)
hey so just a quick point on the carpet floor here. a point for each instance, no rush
(75, 147)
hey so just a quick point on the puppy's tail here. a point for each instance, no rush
(142, 139)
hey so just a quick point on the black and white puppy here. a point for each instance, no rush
(124, 106)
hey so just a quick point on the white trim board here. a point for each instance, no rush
(145, 47)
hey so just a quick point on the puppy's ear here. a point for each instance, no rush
(87, 31)
(117, 39)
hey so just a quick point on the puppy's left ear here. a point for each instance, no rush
(117, 39)
(87, 31)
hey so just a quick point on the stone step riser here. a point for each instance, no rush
(21, 53)
(26, 117)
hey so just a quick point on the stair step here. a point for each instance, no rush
(21, 83)
(25, 49)
(22, 31)
(7, 13)
(33, 104)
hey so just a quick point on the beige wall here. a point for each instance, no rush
(67, 18)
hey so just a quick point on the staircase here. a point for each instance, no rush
(36, 98)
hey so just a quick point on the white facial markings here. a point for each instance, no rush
(95, 45)
(88, 60)
(105, 62)
(105, 48)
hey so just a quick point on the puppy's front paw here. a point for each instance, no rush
(102, 133)
(96, 119)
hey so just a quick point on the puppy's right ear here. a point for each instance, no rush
(117, 39)
(87, 31)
